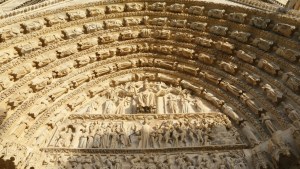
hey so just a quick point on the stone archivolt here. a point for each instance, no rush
(84, 85)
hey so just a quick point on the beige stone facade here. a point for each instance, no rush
(150, 84)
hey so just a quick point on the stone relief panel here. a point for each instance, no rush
(210, 130)
(143, 97)
(189, 160)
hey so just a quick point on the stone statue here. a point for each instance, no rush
(240, 36)
(287, 53)
(78, 100)
(231, 88)
(38, 108)
(203, 41)
(130, 7)
(260, 22)
(216, 13)
(51, 38)
(157, 6)
(86, 44)
(4, 82)
(225, 47)
(268, 66)
(115, 8)
(33, 25)
(62, 70)
(247, 57)
(177, 8)
(268, 123)
(39, 83)
(185, 101)
(263, 44)
(251, 79)
(9, 33)
(237, 17)
(196, 10)
(92, 12)
(6, 56)
(56, 19)
(43, 60)
(247, 131)
(218, 30)
(228, 67)
(92, 27)
(20, 71)
(199, 26)
(20, 128)
(230, 112)
(292, 81)
(284, 29)
(76, 15)
(113, 23)
(70, 33)
(172, 103)
(57, 92)
(145, 135)
(274, 95)
(66, 51)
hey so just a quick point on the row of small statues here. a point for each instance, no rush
(179, 133)
(38, 24)
(204, 160)
(134, 97)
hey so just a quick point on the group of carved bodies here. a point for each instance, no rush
(220, 160)
(116, 135)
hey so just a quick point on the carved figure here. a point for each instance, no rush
(85, 60)
(203, 41)
(249, 134)
(21, 127)
(225, 47)
(268, 67)
(260, 22)
(161, 21)
(240, 36)
(76, 15)
(237, 17)
(131, 21)
(145, 135)
(251, 79)
(131, 7)
(274, 95)
(228, 67)
(230, 112)
(216, 13)
(20, 71)
(108, 38)
(39, 83)
(284, 29)
(293, 114)
(66, 51)
(6, 56)
(51, 38)
(44, 60)
(33, 25)
(177, 8)
(211, 77)
(172, 104)
(78, 100)
(263, 44)
(218, 30)
(38, 108)
(86, 44)
(196, 10)
(17, 99)
(4, 82)
(200, 26)
(92, 27)
(292, 81)
(247, 57)
(231, 88)
(57, 92)
(288, 54)
(106, 53)
(9, 33)
(113, 23)
(62, 70)
(184, 37)
(95, 11)
(215, 101)
(115, 8)
(82, 78)
(126, 35)
(251, 104)
(178, 23)
(56, 19)
(165, 49)
(268, 123)
(157, 6)
(185, 52)
(162, 34)
(71, 33)
(27, 47)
